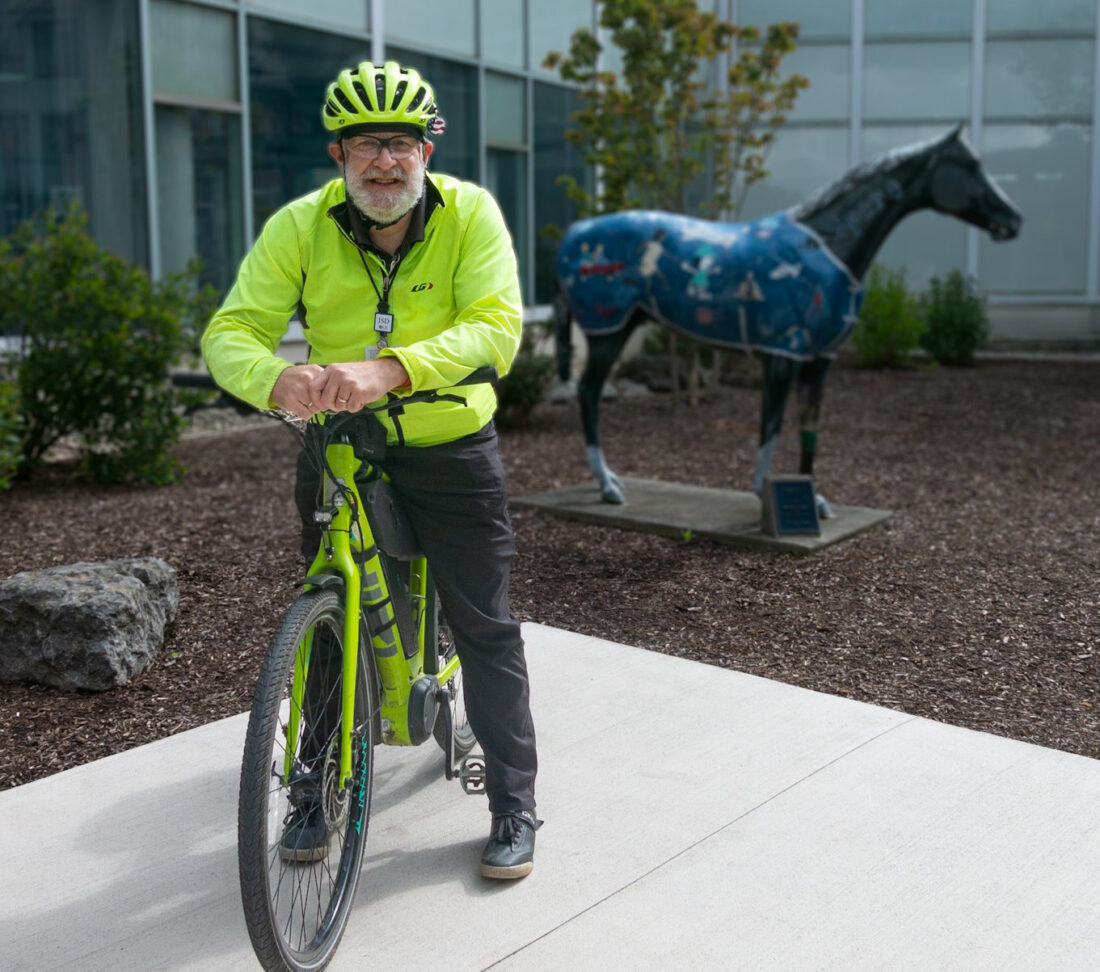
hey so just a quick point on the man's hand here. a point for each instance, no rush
(348, 386)
(292, 390)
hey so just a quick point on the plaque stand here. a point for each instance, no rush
(789, 507)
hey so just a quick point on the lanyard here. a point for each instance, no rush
(383, 319)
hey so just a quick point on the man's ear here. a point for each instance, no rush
(336, 154)
(428, 149)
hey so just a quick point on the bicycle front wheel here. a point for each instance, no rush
(301, 831)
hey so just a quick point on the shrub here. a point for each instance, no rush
(97, 340)
(11, 439)
(889, 325)
(519, 391)
(955, 320)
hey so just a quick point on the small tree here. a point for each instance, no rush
(97, 340)
(653, 130)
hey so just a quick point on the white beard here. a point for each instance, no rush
(381, 206)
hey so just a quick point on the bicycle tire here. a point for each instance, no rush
(296, 911)
(465, 740)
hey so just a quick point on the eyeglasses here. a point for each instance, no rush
(367, 147)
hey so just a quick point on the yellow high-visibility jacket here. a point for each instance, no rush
(455, 300)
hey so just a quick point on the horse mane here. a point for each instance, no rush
(887, 162)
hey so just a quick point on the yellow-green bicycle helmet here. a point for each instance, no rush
(386, 96)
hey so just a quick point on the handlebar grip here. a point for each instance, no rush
(486, 374)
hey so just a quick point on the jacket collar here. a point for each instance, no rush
(357, 229)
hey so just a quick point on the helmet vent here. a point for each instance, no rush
(398, 94)
(345, 101)
(417, 98)
(361, 93)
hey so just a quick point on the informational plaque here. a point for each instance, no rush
(789, 506)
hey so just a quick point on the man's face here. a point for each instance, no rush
(382, 187)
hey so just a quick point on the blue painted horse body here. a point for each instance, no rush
(786, 287)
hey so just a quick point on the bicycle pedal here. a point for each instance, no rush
(472, 774)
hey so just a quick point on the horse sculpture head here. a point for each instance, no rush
(959, 186)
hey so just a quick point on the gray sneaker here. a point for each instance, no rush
(510, 852)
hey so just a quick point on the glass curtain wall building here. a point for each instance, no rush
(181, 125)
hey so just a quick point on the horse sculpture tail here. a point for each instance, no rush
(563, 323)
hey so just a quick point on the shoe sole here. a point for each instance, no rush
(507, 873)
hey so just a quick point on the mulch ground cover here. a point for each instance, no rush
(975, 604)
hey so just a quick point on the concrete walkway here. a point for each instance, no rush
(696, 818)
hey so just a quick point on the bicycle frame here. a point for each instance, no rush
(348, 551)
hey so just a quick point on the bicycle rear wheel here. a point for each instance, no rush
(297, 898)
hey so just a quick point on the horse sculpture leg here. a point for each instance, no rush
(602, 352)
(779, 375)
(810, 390)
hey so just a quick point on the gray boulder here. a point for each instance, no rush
(85, 626)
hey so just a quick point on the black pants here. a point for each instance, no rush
(456, 498)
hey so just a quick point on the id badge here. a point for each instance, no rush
(383, 323)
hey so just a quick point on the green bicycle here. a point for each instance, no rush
(362, 657)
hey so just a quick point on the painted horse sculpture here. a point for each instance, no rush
(786, 287)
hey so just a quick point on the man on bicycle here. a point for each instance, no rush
(404, 280)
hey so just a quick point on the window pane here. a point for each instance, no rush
(505, 109)
(924, 244)
(916, 81)
(1038, 77)
(930, 18)
(1044, 170)
(827, 67)
(552, 25)
(455, 88)
(194, 51)
(507, 181)
(449, 26)
(348, 15)
(801, 161)
(817, 19)
(199, 191)
(1050, 15)
(289, 69)
(69, 100)
(554, 157)
(502, 32)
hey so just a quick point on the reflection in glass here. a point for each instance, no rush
(505, 109)
(502, 32)
(554, 157)
(817, 19)
(916, 81)
(193, 51)
(1044, 170)
(1032, 77)
(289, 69)
(506, 179)
(448, 26)
(827, 67)
(69, 103)
(345, 15)
(1051, 15)
(199, 191)
(930, 18)
(552, 23)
